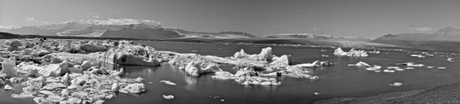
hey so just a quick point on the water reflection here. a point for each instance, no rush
(190, 83)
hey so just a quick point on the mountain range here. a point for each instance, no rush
(447, 37)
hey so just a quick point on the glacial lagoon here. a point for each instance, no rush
(339, 80)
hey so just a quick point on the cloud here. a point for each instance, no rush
(151, 21)
(31, 19)
(7, 27)
(423, 29)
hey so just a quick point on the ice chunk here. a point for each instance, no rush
(80, 94)
(53, 70)
(191, 69)
(168, 82)
(450, 59)
(265, 54)
(66, 79)
(46, 92)
(316, 93)
(54, 98)
(417, 55)
(2, 82)
(16, 79)
(396, 84)
(115, 87)
(169, 97)
(85, 65)
(9, 68)
(99, 102)
(389, 71)
(339, 52)
(224, 75)
(23, 95)
(283, 61)
(363, 64)
(411, 64)
(65, 92)
(41, 100)
(134, 88)
(8, 87)
(53, 86)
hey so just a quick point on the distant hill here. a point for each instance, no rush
(446, 38)
(141, 32)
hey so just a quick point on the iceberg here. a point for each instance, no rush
(396, 84)
(340, 52)
(134, 88)
(417, 55)
(9, 68)
(169, 97)
(168, 82)
(352, 53)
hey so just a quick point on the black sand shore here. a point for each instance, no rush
(444, 94)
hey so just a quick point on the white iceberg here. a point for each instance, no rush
(168, 82)
(169, 97)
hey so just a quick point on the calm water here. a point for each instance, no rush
(337, 81)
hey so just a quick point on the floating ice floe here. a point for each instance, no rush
(8, 87)
(395, 68)
(374, 68)
(427, 54)
(352, 53)
(396, 84)
(374, 52)
(316, 93)
(168, 82)
(362, 64)
(169, 97)
(389, 71)
(417, 55)
(450, 59)
(411, 64)
(316, 63)
(409, 68)
(134, 88)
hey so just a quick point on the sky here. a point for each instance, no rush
(362, 18)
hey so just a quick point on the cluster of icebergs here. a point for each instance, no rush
(54, 72)
(352, 53)
(389, 69)
(255, 69)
